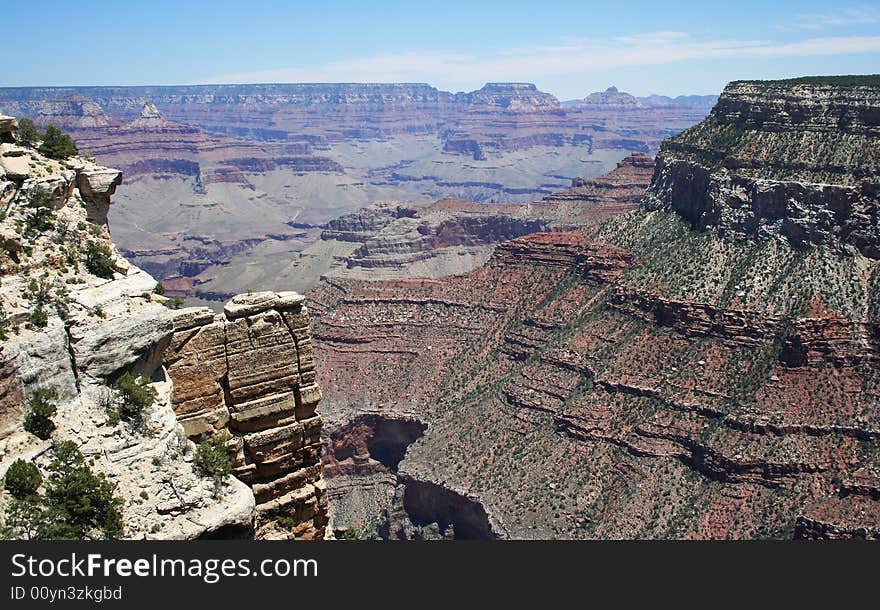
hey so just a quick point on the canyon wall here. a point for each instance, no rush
(666, 374)
(792, 161)
(226, 181)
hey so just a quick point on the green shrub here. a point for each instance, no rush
(41, 408)
(351, 534)
(99, 260)
(212, 460)
(28, 134)
(176, 302)
(38, 317)
(22, 479)
(135, 395)
(39, 210)
(159, 289)
(57, 144)
(79, 503)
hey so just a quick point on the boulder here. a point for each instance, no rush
(15, 161)
(133, 342)
(8, 127)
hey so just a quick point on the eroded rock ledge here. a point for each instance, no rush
(786, 160)
(249, 372)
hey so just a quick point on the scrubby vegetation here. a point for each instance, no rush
(99, 260)
(135, 395)
(212, 460)
(851, 80)
(39, 208)
(77, 503)
(57, 144)
(28, 134)
(40, 410)
(22, 479)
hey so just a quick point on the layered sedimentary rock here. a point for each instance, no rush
(638, 379)
(225, 179)
(396, 240)
(612, 97)
(594, 200)
(791, 161)
(70, 332)
(250, 373)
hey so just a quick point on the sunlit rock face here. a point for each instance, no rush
(248, 375)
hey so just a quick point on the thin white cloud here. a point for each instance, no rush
(456, 71)
(851, 16)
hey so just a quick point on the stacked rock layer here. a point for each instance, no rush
(249, 375)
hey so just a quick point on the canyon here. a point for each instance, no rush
(228, 184)
(703, 366)
(682, 347)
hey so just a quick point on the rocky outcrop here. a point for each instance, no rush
(96, 187)
(426, 511)
(803, 214)
(14, 162)
(595, 200)
(8, 127)
(73, 112)
(453, 236)
(512, 97)
(780, 160)
(149, 118)
(74, 333)
(250, 373)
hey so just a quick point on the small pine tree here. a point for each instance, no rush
(39, 210)
(135, 396)
(79, 503)
(41, 408)
(212, 460)
(28, 134)
(159, 289)
(22, 479)
(57, 144)
(99, 260)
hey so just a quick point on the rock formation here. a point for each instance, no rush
(449, 236)
(684, 370)
(612, 97)
(69, 331)
(250, 372)
(788, 161)
(226, 180)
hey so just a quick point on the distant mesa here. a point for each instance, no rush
(510, 96)
(73, 112)
(613, 97)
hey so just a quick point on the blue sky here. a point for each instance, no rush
(566, 48)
